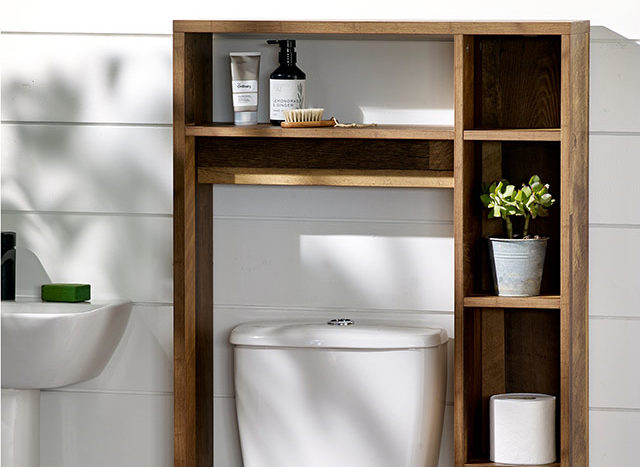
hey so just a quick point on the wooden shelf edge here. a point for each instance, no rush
(493, 464)
(326, 177)
(540, 134)
(381, 28)
(551, 302)
(267, 130)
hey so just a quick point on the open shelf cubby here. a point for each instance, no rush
(511, 350)
(457, 104)
(517, 82)
(514, 161)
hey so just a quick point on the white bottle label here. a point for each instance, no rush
(245, 93)
(285, 94)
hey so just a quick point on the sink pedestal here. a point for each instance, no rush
(20, 427)
(49, 345)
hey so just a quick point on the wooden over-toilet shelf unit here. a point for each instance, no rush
(521, 107)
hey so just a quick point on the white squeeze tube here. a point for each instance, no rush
(245, 70)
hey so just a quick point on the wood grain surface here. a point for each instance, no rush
(266, 130)
(574, 261)
(327, 177)
(321, 153)
(383, 28)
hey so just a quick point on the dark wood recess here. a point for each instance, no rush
(320, 153)
(517, 82)
(521, 108)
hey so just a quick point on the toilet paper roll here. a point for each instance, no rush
(523, 428)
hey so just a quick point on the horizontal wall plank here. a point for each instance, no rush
(334, 264)
(614, 375)
(615, 73)
(614, 165)
(225, 319)
(403, 204)
(105, 430)
(143, 360)
(87, 168)
(613, 438)
(613, 271)
(125, 257)
(92, 78)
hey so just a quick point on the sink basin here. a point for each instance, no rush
(47, 344)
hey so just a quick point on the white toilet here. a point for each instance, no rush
(339, 394)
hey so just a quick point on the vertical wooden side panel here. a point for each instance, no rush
(184, 290)
(199, 105)
(574, 251)
(204, 325)
(199, 79)
(465, 366)
(193, 309)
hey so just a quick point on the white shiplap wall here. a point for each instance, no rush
(86, 183)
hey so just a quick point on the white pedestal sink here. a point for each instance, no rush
(47, 345)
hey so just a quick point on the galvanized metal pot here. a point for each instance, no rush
(517, 265)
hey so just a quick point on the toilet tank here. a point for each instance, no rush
(339, 394)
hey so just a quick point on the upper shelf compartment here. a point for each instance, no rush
(516, 85)
(388, 82)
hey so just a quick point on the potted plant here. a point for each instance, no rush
(518, 260)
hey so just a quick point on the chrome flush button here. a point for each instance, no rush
(340, 322)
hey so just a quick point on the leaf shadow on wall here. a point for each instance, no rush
(92, 202)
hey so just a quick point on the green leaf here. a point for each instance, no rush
(527, 191)
(537, 186)
(534, 179)
(496, 211)
(486, 199)
(509, 191)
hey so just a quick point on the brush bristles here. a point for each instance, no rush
(303, 115)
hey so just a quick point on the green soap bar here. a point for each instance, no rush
(66, 292)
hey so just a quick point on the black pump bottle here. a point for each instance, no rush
(287, 84)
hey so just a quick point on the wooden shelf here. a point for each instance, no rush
(382, 29)
(494, 301)
(540, 134)
(266, 130)
(493, 464)
(324, 177)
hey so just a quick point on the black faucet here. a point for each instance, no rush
(8, 265)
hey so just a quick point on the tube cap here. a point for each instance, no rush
(245, 118)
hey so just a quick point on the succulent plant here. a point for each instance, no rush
(504, 200)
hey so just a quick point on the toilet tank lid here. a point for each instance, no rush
(359, 335)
